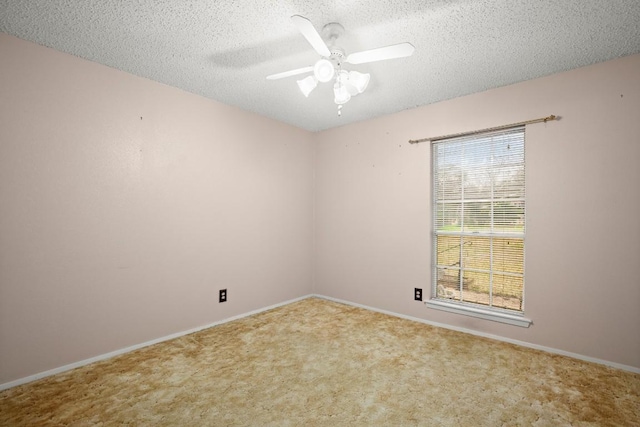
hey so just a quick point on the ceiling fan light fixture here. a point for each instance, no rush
(323, 70)
(353, 91)
(359, 80)
(343, 80)
(307, 84)
(342, 95)
(329, 66)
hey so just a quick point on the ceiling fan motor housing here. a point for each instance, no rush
(331, 32)
(337, 55)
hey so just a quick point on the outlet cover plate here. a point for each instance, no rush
(223, 295)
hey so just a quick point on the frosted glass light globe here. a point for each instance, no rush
(323, 70)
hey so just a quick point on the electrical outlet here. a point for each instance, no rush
(417, 294)
(223, 295)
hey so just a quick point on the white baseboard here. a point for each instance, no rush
(109, 355)
(495, 337)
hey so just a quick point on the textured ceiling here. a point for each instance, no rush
(223, 50)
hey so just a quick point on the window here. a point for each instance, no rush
(479, 225)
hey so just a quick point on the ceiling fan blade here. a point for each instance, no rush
(400, 50)
(290, 73)
(309, 32)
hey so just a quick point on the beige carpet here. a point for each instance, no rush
(319, 363)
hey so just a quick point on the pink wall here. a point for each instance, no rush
(583, 204)
(125, 205)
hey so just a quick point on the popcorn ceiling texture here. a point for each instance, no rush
(321, 363)
(223, 50)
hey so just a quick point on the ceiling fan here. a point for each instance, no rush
(329, 66)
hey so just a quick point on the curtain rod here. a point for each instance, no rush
(453, 135)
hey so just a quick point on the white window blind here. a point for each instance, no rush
(479, 220)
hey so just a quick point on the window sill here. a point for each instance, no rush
(511, 319)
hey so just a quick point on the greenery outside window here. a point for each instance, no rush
(479, 225)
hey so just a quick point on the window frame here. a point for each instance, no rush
(498, 314)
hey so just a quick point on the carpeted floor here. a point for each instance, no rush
(319, 363)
